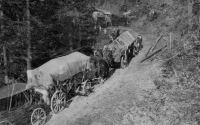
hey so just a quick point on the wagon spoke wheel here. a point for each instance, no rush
(38, 117)
(122, 62)
(58, 102)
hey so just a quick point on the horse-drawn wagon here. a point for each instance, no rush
(55, 83)
(122, 48)
(60, 79)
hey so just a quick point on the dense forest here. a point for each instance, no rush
(35, 31)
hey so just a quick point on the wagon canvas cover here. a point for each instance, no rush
(63, 67)
(125, 39)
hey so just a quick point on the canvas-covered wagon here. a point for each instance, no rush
(59, 79)
(121, 48)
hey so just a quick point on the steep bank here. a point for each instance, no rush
(111, 101)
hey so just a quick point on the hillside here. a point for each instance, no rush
(113, 100)
(163, 90)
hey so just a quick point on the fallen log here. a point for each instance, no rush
(153, 53)
(156, 43)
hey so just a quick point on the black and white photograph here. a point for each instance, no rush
(99, 62)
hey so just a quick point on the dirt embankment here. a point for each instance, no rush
(115, 101)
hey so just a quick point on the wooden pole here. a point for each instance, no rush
(28, 35)
(153, 53)
(156, 43)
(148, 51)
(5, 63)
(158, 54)
(4, 45)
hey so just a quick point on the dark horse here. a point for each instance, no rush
(137, 45)
(101, 64)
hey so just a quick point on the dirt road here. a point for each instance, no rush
(110, 103)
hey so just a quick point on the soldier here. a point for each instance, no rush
(118, 32)
(137, 46)
(139, 42)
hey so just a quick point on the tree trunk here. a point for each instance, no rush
(79, 37)
(28, 36)
(4, 47)
(70, 42)
(79, 33)
(190, 4)
(5, 64)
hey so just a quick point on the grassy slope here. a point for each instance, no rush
(129, 96)
(175, 101)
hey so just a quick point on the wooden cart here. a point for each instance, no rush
(121, 48)
(59, 80)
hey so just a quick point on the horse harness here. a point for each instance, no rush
(107, 56)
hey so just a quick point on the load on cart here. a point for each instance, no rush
(123, 48)
(59, 80)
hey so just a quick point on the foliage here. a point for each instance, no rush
(182, 92)
(51, 31)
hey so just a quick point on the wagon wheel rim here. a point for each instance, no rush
(58, 102)
(5, 122)
(38, 117)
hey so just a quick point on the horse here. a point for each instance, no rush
(137, 45)
(129, 53)
(107, 55)
(98, 54)
(103, 69)
(101, 64)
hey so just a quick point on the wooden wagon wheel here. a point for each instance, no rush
(122, 62)
(5, 122)
(58, 101)
(38, 117)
